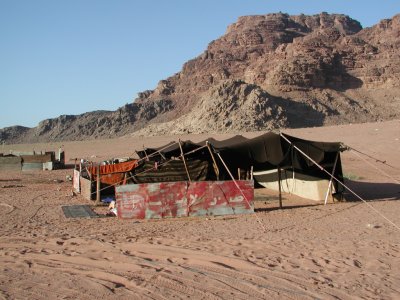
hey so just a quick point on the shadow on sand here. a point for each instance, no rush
(69, 166)
(372, 191)
(368, 191)
(261, 209)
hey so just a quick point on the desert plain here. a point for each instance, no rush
(307, 250)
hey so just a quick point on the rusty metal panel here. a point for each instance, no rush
(174, 199)
(181, 199)
(151, 200)
(220, 198)
(130, 201)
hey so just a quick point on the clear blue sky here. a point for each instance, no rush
(73, 56)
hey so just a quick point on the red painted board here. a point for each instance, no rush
(180, 199)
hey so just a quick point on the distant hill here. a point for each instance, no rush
(266, 72)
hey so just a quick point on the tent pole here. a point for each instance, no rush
(145, 153)
(184, 161)
(241, 191)
(330, 181)
(280, 189)
(125, 178)
(213, 159)
(89, 175)
(98, 186)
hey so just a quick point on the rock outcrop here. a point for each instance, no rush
(266, 72)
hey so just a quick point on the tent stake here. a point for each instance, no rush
(184, 161)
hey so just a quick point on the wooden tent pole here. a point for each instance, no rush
(184, 161)
(89, 174)
(125, 178)
(97, 185)
(330, 181)
(145, 153)
(280, 189)
(213, 159)
(241, 191)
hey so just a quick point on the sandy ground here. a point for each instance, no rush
(305, 251)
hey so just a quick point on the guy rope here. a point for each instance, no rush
(341, 183)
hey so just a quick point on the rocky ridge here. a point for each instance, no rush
(266, 72)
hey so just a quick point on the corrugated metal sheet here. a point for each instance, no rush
(181, 199)
(32, 166)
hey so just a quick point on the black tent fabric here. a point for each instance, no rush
(170, 171)
(265, 152)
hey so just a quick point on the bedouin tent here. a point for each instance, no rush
(268, 156)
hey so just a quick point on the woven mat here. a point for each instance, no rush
(78, 211)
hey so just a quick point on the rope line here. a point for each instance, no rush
(382, 172)
(341, 183)
(374, 158)
(230, 174)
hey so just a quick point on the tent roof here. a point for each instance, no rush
(268, 148)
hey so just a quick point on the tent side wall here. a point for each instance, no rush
(302, 185)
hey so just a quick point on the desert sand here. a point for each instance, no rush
(342, 250)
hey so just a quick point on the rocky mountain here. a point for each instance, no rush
(266, 72)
